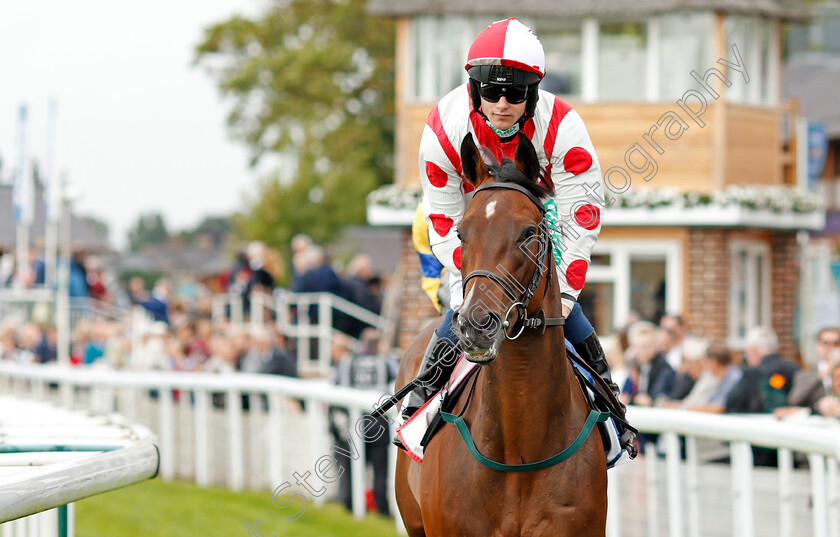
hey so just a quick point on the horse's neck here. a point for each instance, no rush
(530, 386)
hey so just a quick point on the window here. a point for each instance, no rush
(749, 290)
(439, 46)
(622, 61)
(563, 46)
(632, 275)
(756, 42)
(685, 45)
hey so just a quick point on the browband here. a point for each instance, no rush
(513, 186)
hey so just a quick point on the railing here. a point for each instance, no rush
(289, 312)
(52, 456)
(24, 305)
(689, 491)
(276, 438)
(678, 489)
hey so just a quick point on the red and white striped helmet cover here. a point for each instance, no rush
(508, 42)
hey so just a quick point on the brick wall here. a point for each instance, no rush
(785, 287)
(708, 269)
(416, 310)
(708, 273)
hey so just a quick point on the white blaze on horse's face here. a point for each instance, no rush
(490, 210)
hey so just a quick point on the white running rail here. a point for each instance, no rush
(681, 493)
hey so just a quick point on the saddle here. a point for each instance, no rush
(418, 430)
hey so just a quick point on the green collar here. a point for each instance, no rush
(504, 134)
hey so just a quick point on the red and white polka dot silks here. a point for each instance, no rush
(510, 43)
(565, 153)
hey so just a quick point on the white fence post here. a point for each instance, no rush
(167, 434)
(202, 438)
(742, 463)
(672, 460)
(818, 494)
(692, 460)
(833, 498)
(236, 470)
(358, 467)
(325, 322)
(651, 463)
(785, 493)
(276, 405)
(613, 504)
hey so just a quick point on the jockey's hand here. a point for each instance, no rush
(566, 310)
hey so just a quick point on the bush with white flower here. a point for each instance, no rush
(779, 199)
(395, 197)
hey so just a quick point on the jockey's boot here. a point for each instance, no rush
(441, 355)
(590, 350)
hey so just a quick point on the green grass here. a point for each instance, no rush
(173, 509)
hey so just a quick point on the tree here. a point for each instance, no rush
(215, 227)
(312, 82)
(149, 229)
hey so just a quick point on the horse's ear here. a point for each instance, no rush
(473, 166)
(526, 158)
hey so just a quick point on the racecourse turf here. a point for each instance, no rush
(174, 509)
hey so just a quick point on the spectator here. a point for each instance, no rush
(768, 378)
(692, 366)
(829, 406)
(259, 352)
(78, 286)
(368, 370)
(828, 347)
(719, 377)
(650, 376)
(319, 276)
(281, 361)
(811, 385)
(675, 339)
(157, 305)
(300, 262)
(356, 288)
(224, 356)
(47, 348)
(137, 293)
(96, 279)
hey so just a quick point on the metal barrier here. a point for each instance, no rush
(211, 441)
(292, 315)
(197, 434)
(52, 456)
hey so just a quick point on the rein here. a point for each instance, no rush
(520, 305)
(538, 322)
(594, 418)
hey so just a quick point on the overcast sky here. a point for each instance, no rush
(139, 128)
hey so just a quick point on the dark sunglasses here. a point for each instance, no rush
(492, 93)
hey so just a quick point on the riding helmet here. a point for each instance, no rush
(506, 53)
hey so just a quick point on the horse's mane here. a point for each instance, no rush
(507, 172)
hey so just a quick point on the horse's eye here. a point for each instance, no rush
(528, 233)
(460, 238)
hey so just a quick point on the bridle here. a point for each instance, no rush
(544, 263)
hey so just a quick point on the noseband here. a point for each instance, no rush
(520, 304)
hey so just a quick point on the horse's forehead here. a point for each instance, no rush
(499, 206)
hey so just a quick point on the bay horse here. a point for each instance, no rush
(526, 403)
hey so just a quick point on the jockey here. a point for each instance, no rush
(505, 65)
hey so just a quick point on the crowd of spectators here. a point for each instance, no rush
(665, 366)
(179, 334)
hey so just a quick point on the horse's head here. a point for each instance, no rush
(504, 246)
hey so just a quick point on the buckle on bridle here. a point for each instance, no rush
(520, 323)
